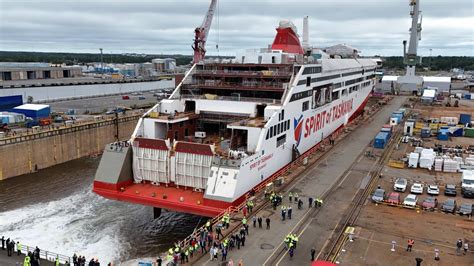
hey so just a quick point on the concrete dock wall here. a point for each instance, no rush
(26, 154)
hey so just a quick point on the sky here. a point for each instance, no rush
(376, 27)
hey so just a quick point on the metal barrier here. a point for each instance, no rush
(45, 254)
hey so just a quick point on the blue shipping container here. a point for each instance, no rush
(36, 112)
(458, 132)
(9, 102)
(465, 118)
(381, 140)
(443, 134)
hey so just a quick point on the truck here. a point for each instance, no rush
(467, 183)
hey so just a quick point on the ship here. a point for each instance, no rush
(232, 124)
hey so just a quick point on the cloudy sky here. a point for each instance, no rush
(166, 26)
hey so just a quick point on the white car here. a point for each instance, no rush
(417, 188)
(400, 185)
(410, 201)
(433, 190)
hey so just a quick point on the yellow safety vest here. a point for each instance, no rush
(244, 221)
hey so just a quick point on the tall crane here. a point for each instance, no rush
(411, 82)
(410, 58)
(200, 34)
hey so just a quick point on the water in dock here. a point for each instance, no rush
(56, 210)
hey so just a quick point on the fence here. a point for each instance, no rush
(45, 254)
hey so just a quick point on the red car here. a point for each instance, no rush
(430, 203)
(394, 198)
(125, 97)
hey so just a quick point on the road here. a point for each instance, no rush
(265, 247)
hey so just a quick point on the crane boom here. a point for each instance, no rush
(201, 33)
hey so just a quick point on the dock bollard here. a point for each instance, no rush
(393, 245)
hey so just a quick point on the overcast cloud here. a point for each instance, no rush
(166, 26)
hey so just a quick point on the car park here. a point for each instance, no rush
(430, 203)
(450, 190)
(410, 201)
(449, 206)
(379, 195)
(400, 185)
(432, 190)
(393, 198)
(466, 209)
(417, 188)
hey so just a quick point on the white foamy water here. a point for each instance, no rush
(67, 226)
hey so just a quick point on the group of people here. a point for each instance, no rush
(290, 243)
(10, 246)
(81, 261)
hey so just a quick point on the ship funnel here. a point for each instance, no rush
(305, 33)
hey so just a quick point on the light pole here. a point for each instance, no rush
(431, 50)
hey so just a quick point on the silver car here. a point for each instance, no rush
(379, 195)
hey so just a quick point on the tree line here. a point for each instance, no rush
(436, 63)
(85, 58)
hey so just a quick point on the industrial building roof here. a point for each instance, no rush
(389, 78)
(437, 79)
(30, 106)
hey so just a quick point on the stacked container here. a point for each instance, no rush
(443, 134)
(381, 140)
(465, 119)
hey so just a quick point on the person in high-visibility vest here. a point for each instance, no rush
(27, 262)
(290, 196)
(56, 263)
(18, 248)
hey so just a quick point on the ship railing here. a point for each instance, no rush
(232, 98)
(256, 73)
(247, 84)
(46, 255)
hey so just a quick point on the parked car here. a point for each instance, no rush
(125, 97)
(449, 206)
(450, 190)
(400, 184)
(433, 190)
(417, 188)
(393, 198)
(410, 201)
(430, 203)
(379, 195)
(466, 209)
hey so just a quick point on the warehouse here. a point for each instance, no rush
(26, 71)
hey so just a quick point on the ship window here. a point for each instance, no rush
(211, 173)
(273, 60)
(271, 132)
(308, 81)
(344, 92)
(281, 140)
(268, 134)
(335, 95)
(282, 114)
(287, 124)
(305, 106)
